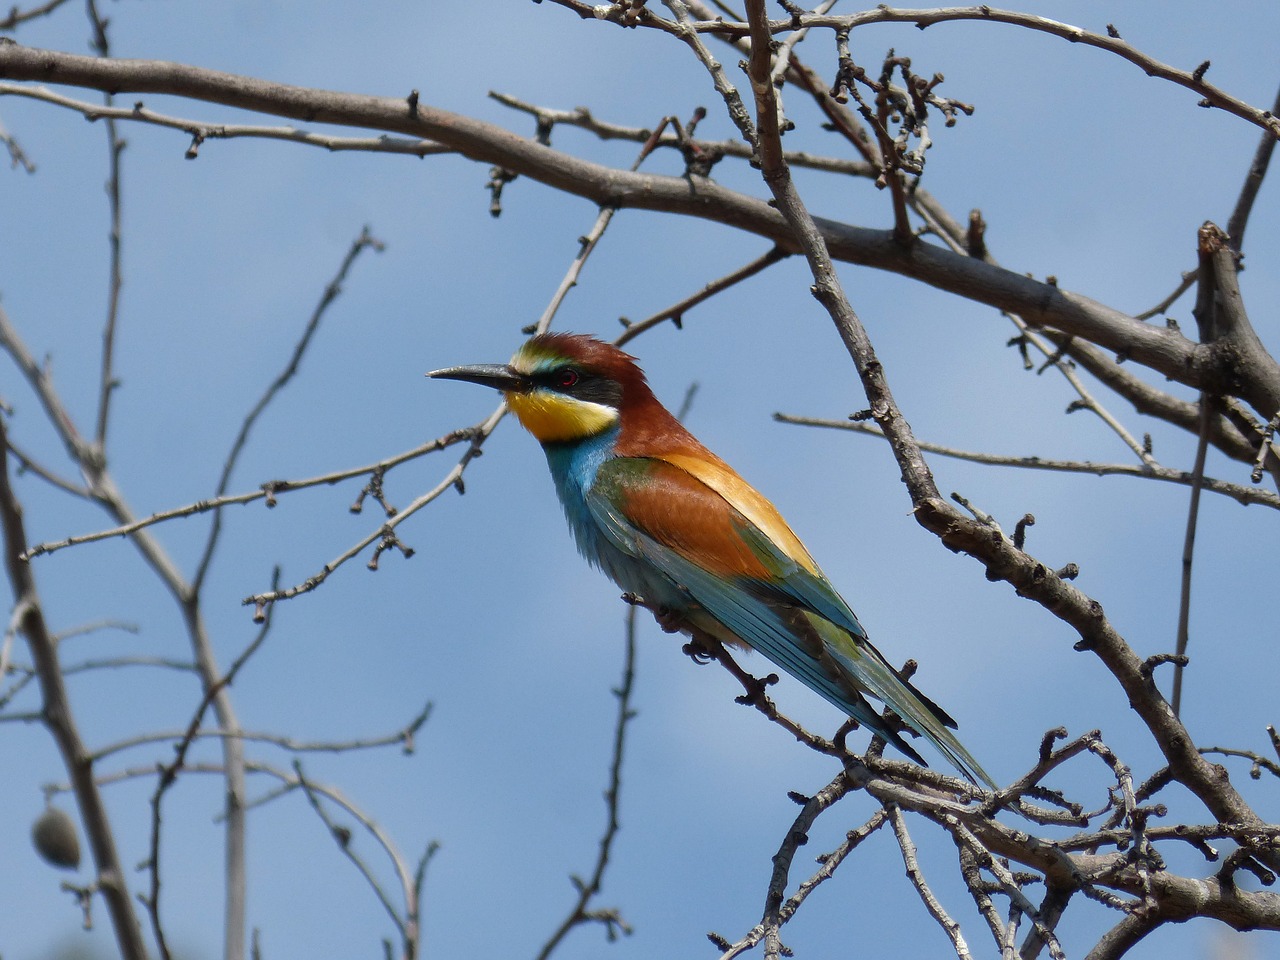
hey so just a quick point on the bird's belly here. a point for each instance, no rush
(632, 575)
(574, 470)
(658, 591)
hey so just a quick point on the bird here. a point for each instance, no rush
(670, 522)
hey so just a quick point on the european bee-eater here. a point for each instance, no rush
(667, 519)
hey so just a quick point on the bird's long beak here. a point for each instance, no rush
(496, 375)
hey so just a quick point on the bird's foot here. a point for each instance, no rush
(671, 621)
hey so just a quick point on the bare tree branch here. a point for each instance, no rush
(364, 241)
(1106, 837)
(1165, 351)
(17, 17)
(115, 146)
(1002, 560)
(916, 876)
(584, 119)
(675, 313)
(1192, 80)
(267, 492)
(102, 488)
(1186, 283)
(60, 720)
(1238, 492)
(1252, 184)
(1188, 553)
(291, 744)
(406, 923)
(589, 889)
(169, 773)
(17, 156)
(200, 131)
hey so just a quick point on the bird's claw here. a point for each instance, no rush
(697, 652)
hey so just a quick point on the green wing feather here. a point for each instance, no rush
(777, 603)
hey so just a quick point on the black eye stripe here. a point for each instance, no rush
(563, 379)
(582, 385)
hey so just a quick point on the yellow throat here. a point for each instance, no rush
(555, 418)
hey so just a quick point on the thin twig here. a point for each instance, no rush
(1188, 552)
(685, 31)
(27, 463)
(169, 774)
(267, 491)
(28, 674)
(477, 435)
(17, 156)
(385, 533)
(777, 909)
(342, 837)
(1186, 283)
(1009, 886)
(1258, 761)
(115, 144)
(831, 861)
(17, 16)
(1235, 491)
(676, 311)
(398, 738)
(411, 883)
(584, 119)
(916, 876)
(980, 890)
(1193, 80)
(1056, 358)
(201, 131)
(1252, 184)
(782, 55)
(587, 890)
(364, 241)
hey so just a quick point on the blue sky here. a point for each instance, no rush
(1083, 167)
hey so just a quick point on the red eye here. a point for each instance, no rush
(566, 378)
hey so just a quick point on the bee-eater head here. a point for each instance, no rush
(562, 386)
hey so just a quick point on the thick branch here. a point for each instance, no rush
(1165, 351)
(1033, 580)
(1238, 352)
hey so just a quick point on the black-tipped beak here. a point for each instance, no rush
(496, 375)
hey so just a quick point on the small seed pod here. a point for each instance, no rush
(55, 838)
